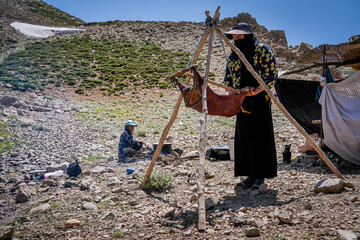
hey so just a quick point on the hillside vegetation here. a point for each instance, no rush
(85, 62)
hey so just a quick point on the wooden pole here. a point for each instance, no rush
(177, 106)
(203, 119)
(286, 113)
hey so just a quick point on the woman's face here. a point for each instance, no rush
(238, 36)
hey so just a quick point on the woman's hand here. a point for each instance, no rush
(247, 91)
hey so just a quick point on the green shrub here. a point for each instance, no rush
(159, 180)
(80, 90)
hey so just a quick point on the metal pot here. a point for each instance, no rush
(166, 148)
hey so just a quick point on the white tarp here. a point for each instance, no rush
(340, 104)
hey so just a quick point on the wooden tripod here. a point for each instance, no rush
(201, 193)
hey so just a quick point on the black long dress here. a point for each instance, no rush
(255, 152)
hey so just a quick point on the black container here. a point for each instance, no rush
(166, 148)
(287, 154)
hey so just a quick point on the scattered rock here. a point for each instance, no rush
(109, 216)
(113, 181)
(187, 233)
(209, 203)
(85, 184)
(252, 232)
(98, 170)
(284, 217)
(6, 232)
(87, 199)
(329, 186)
(210, 231)
(263, 188)
(193, 154)
(41, 208)
(72, 222)
(88, 206)
(23, 193)
(237, 218)
(49, 182)
(346, 235)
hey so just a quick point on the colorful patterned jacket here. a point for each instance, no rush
(264, 65)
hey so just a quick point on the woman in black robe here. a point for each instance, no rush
(255, 153)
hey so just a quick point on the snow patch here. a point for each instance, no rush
(36, 31)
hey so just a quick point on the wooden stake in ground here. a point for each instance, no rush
(203, 119)
(282, 108)
(177, 106)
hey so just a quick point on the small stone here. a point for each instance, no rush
(85, 184)
(49, 182)
(87, 199)
(22, 219)
(252, 232)
(227, 232)
(109, 216)
(97, 199)
(7, 232)
(98, 170)
(193, 198)
(117, 190)
(187, 233)
(242, 209)
(88, 206)
(72, 222)
(209, 203)
(169, 213)
(209, 175)
(346, 235)
(210, 231)
(308, 206)
(263, 188)
(23, 193)
(284, 217)
(41, 208)
(113, 181)
(68, 184)
(237, 218)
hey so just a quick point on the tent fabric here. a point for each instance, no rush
(298, 97)
(341, 117)
(329, 79)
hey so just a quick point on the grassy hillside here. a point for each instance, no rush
(85, 62)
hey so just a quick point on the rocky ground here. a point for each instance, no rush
(106, 202)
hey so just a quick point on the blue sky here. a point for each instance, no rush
(311, 21)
